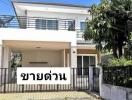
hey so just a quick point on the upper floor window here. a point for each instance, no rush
(71, 25)
(46, 24)
(82, 26)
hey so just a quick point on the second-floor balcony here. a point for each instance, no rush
(41, 23)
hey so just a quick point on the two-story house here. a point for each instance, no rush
(47, 35)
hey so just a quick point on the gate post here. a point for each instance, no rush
(100, 81)
(5, 81)
(91, 78)
(74, 79)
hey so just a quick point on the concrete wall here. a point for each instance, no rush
(54, 58)
(110, 92)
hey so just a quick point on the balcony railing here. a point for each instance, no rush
(42, 23)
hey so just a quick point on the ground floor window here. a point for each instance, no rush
(83, 62)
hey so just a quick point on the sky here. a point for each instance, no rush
(7, 9)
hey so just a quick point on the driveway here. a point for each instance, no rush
(48, 96)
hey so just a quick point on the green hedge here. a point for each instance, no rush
(117, 62)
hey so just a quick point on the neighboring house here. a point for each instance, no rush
(48, 35)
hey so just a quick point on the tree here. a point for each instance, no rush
(16, 59)
(108, 28)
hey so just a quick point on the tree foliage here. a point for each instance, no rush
(108, 27)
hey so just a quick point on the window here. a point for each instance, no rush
(83, 62)
(40, 24)
(79, 65)
(71, 26)
(52, 24)
(46, 24)
(85, 65)
(82, 26)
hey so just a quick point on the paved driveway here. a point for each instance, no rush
(48, 96)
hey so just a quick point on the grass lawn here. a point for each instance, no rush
(47, 96)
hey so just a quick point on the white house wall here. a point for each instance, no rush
(38, 35)
(42, 56)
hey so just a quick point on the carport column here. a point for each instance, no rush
(73, 62)
(7, 54)
(1, 61)
(6, 64)
(91, 78)
(73, 58)
(1, 58)
(101, 81)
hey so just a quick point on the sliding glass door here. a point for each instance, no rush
(83, 62)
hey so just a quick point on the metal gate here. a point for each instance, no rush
(8, 82)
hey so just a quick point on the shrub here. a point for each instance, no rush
(119, 62)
